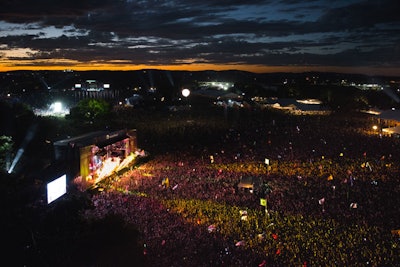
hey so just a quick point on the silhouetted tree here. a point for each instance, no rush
(340, 98)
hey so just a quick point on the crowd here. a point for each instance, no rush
(334, 197)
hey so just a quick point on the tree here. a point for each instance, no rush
(344, 98)
(91, 112)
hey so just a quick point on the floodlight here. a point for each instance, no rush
(185, 92)
(57, 107)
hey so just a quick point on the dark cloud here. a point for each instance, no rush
(275, 32)
(364, 15)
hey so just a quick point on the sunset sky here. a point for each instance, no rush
(350, 36)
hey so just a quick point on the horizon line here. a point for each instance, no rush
(260, 69)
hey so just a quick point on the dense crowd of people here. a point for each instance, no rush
(334, 198)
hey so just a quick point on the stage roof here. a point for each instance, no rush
(99, 138)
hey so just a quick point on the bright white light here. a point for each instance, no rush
(185, 92)
(57, 107)
(56, 188)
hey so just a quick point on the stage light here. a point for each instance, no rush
(29, 135)
(185, 92)
(57, 107)
(16, 159)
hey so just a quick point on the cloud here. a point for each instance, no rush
(275, 32)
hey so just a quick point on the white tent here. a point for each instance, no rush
(392, 130)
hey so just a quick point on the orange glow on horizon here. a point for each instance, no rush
(388, 71)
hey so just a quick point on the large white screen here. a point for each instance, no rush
(56, 188)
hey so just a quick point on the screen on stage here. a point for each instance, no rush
(56, 188)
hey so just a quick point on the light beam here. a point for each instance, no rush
(29, 135)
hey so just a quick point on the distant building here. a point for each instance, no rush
(389, 122)
(134, 100)
(295, 106)
(216, 94)
(367, 86)
(216, 85)
(218, 97)
(92, 86)
(94, 89)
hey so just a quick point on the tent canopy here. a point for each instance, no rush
(392, 130)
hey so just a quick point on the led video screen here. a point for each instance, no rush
(56, 188)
